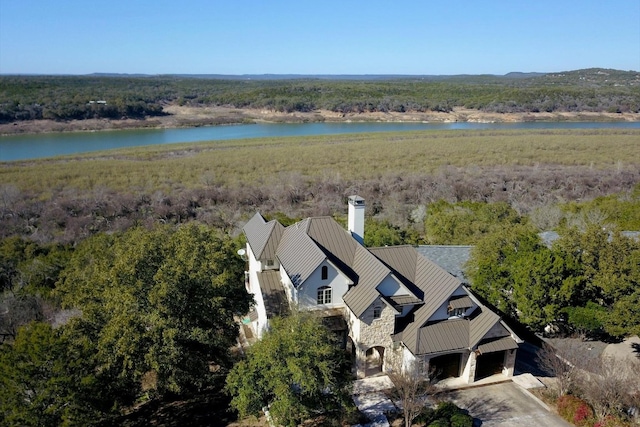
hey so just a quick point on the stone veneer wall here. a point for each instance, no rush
(375, 333)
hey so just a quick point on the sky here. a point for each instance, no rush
(420, 37)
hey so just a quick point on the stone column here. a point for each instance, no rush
(469, 373)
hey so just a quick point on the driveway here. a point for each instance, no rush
(505, 405)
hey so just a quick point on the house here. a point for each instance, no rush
(394, 308)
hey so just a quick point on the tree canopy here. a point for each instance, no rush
(297, 369)
(158, 305)
(588, 280)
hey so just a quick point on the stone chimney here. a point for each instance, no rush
(356, 218)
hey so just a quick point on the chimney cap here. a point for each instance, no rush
(356, 200)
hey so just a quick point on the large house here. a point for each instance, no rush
(394, 308)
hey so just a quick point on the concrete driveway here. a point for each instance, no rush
(505, 405)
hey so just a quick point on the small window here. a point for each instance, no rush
(324, 295)
(377, 312)
(325, 272)
(457, 312)
(270, 263)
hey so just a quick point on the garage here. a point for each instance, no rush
(446, 366)
(489, 364)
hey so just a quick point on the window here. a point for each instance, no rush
(324, 295)
(270, 263)
(377, 312)
(457, 311)
(325, 272)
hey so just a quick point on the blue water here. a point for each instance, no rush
(22, 147)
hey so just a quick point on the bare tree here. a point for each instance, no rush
(562, 361)
(609, 384)
(412, 389)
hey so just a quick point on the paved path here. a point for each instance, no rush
(630, 347)
(369, 397)
(505, 405)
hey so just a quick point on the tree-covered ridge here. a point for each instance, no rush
(69, 97)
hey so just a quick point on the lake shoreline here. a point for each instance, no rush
(187, 117)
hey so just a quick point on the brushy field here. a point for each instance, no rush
(351, 157)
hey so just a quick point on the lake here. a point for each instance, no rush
(23, 147)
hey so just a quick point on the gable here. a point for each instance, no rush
(263, 237)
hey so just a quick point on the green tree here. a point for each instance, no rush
(383, 233)
(465, 223)
(45, 380)
(297, 370)
(158, 305)
(493, 261)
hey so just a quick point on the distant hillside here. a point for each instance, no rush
(138, 96)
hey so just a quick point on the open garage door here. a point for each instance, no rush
(489, 364)
(446, 366)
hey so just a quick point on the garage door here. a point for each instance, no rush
(489, 364)
(446, 366)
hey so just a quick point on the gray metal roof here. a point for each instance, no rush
(447, 335)
(263, 237)
(451, 258)
(334, 239)
(481, 324)
(460, 302)
(499, 344)
(275, 299)
(298, 254)
(370, 273)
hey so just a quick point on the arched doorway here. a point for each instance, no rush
(374, 360)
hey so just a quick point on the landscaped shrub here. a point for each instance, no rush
(612, 421)
(575, 410)
(447, 414)
(461, 420)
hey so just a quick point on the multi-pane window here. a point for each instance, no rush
(377, 312)
(324, 295)
(457, 311)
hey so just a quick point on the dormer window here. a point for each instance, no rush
(270, 263)
(457, 312)
(458, 306)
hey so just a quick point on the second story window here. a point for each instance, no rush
(270, 263)
(324, 295)
(325, 272)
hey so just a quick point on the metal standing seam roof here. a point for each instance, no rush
(460, 302)
(448, 335)
(370, 273)
(500, 344)
(263, 237)
(275, 299)
(437, 285)
(481, 324)
(298, 254)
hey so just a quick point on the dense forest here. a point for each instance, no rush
(117, 97)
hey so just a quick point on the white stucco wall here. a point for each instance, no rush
(261, 324)
(308, 291)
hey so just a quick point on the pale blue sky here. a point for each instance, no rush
(324, 37)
